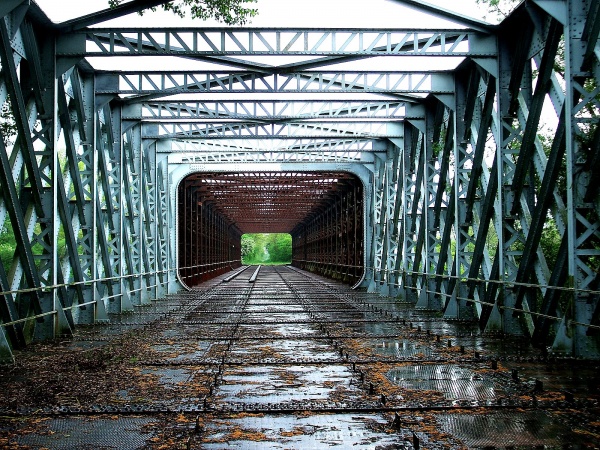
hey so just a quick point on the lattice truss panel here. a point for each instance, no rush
(482, 202)
(483, 208)
(81, 235)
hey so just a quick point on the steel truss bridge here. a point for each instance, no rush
(443, 187)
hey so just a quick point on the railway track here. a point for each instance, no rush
(279, 358)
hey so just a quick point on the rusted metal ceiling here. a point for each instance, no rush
(269, 202)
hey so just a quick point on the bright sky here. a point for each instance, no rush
(286, 13)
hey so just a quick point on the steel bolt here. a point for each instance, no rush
(416, 444)
(539, 386)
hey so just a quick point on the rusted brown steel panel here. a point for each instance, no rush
(215, 209)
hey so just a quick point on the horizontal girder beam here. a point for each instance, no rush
(151, 82)
(272, 157)
(362, 130)
(275, 109)
(291, 41)
(270, 146)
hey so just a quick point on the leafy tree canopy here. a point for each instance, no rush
(499, 8)
(266, 248)
(231, 12)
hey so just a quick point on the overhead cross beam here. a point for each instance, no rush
(267, 110)
(321, 129)
(173, 82)
(279, 42)
(298, 145)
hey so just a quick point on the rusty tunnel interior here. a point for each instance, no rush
(322, 211)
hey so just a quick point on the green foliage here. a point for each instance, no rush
(247, 245)
(499, 8)
(263, 248)
(7, 244)
(231, 12)
(8, 126)
(279, 247)
(550, 241)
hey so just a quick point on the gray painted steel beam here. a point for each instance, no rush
(292, 41)
(311, 82)
(301, 130)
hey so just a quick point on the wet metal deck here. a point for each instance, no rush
(293, 361)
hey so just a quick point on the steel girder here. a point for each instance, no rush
(79, 214)
(280, 110)
(253, 42)
(273, 157)
(311, 82)
(29, 187)
(299, 146)
(301, 130)
(582, 68)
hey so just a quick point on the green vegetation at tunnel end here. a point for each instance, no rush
(266, 248)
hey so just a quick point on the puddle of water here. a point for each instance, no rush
(274, 308)
(268, 384)
(282, 329)
(322, 431)
(456, 383)
(284, 350)
(399, 349)
(516, 429)
(374, 328)
(261, 317)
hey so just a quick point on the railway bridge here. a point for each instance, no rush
(438, 184)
